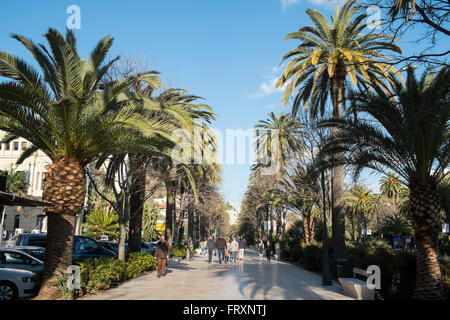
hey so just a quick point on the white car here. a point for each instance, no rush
(16, 284)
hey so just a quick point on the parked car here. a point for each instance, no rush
(83, 247)
(16, 284)
(37, 252)
(114, 246)
(16, 259)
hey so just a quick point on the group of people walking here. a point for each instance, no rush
(226, 250)
(264, 248)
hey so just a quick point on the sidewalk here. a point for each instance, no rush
(248, 280)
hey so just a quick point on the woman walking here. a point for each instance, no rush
(162, 254)
(260, 250)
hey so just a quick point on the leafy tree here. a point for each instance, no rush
(15, 181)
(149, 221)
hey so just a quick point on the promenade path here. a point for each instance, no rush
(247, 280)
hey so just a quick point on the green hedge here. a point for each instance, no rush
(100, 273)
(180, 251)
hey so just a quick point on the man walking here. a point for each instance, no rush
(234, 247)
(162, 254)
(242, 247)
(220, 246)
(268, 250)
(210, 245)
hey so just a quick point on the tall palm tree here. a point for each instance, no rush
(409, 134)
(390, 186)
(65, 113)
(321, 63)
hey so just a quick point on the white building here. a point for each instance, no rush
(234, 215)
(26, 218)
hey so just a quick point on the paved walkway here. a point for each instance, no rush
(248, 280)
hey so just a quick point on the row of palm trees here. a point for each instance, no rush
(83, 116)
(389, 124)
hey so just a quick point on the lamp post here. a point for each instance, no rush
(326, 273)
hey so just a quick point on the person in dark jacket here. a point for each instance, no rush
(162, 253)
(220, 246)
(268, 250)
(242, 247)
(210, 245)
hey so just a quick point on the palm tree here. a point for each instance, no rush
(360, 200)
(278, 137)
(65, 113)
(102, 222)
(409, 134)
(396, 226)
(325, 57)
(390, 187)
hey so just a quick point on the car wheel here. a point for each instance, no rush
(8, 291)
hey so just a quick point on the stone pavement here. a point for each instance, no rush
(247, 280)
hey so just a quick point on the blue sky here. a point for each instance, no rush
(224, 51)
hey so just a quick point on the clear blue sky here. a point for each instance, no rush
(224, 51)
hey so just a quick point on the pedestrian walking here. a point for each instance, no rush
(220, 246)
(268, 250)
(260, 250)
(211, 246)
(242, 247)
(234, 249)
(162, 254)
(227, 251)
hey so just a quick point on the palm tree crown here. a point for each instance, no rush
(334, 51)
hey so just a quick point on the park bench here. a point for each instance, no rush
(357, 288)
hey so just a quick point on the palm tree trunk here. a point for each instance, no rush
(425, 213)
(337, 185)
(137, 199)
(191, 238)
(305, 228)
(65, 186)
(311, 226)
(170, 209)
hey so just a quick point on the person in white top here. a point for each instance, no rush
(234, 247)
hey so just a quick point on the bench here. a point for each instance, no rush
(357, 288)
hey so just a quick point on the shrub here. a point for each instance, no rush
(312, 257)
(100, 273)
(138, 263)
(179, 251)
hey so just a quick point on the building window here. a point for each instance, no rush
(7, 146)
(16, 221)
(43, 180)
(15, 146)
(40, 222)
(23, 145)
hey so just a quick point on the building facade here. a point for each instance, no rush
(25, 219)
